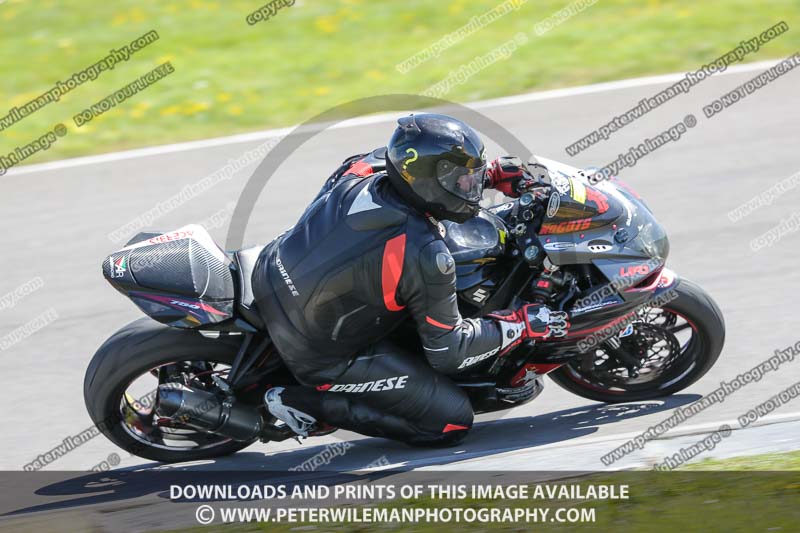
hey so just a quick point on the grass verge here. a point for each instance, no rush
(234, 77)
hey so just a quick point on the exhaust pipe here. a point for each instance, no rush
(204, 410)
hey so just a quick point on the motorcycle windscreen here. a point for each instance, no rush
(572, 200)
(475, 239)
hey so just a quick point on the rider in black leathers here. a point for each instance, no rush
(365, 255)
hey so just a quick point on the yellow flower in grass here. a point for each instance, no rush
(322, 91)
(170, 110)
(375, 75)
(455, 8)
(195, 107)
(138, 15)
(199, 4)
(235, 110)
(110, 114)
(328, 24)
(223, 97)
(139, 109)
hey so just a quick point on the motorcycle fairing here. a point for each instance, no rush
(180, 278)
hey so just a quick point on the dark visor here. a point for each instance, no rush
(466, 183)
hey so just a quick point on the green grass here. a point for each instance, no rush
(231, 77)
(772, 461)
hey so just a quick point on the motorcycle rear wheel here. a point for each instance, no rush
(124, 417)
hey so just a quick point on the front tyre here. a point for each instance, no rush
(119, 386)
(678, 343)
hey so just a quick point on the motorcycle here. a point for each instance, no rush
(188, 382)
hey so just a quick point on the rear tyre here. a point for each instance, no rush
(596, 377)
(132, 352)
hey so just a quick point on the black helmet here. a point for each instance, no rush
(437, 165)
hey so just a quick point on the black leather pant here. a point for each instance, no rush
(388, 392)
(393, 393)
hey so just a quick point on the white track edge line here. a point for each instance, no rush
(687, 430)
(372, 119)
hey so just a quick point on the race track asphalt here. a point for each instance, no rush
(56, 224)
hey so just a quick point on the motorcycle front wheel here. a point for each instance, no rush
(676, 344)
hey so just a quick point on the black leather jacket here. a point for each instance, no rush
(357, 264)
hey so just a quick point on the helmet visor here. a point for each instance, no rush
(466, 183)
